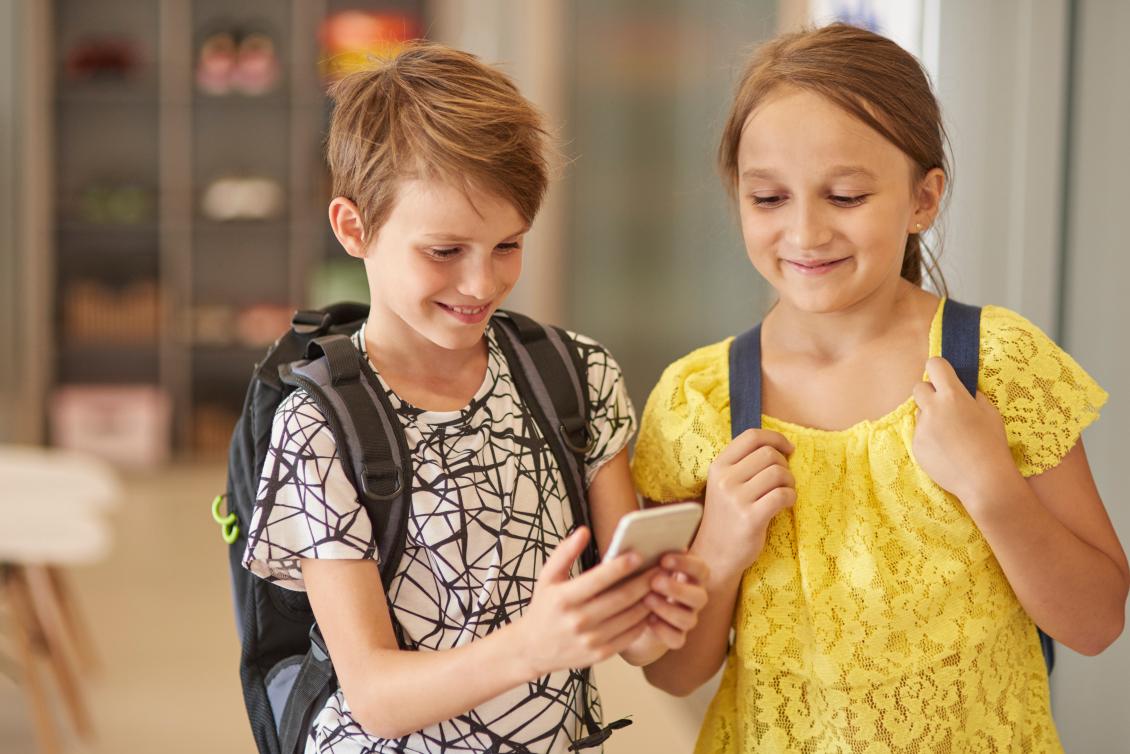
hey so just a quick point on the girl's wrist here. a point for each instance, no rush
(993, 492)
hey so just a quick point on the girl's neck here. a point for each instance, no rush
(828, 336)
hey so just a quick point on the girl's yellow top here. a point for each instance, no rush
(876, 620)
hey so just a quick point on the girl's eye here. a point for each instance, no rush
(847, 201)
(768, 201)
(506, 248)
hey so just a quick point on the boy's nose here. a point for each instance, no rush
(479, 279)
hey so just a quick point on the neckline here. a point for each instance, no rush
(893, 416)
(454, 416)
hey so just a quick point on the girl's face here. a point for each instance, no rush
(826, 202)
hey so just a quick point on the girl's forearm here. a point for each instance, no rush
(681, 671)
(1072, 590)
(412, 690)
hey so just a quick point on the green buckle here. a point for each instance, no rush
(229, 526)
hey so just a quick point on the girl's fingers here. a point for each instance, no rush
(671, 637)
(749, 441)
(923, 392)
(767, 480)
(610, 642)
(942, 376)
(756, 462)
(668, 587)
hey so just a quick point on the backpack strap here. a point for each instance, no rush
(961, 345)
(375, 457)
(549, 373)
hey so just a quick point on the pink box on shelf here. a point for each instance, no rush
(125, 424)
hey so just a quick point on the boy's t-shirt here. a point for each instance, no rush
(488, 507)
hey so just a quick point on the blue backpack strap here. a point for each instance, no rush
(745, 382)
(961, 347)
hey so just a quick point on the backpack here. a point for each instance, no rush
(961, 336)
(285, 668)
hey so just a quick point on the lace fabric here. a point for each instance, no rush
(876, 619)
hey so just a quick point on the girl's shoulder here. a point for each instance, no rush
(1044, 396)
(698, 380)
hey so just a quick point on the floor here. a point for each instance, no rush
(160, 615)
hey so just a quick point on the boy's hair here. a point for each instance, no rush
(433, 112)
(867, 75)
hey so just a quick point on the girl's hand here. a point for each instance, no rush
(960, 442)
(747, 484)
(577, 622)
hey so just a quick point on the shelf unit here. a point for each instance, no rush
(153, 288)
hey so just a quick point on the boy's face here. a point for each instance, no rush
(442, 263)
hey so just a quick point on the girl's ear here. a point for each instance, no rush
(927, 200)
(345, 219)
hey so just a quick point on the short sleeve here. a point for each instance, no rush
(306, 506)
(685, 425)
(1044, 396)
(612, 418)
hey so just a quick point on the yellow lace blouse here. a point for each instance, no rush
(876, 620)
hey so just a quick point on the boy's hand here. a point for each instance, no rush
(959, 441)
(678, 594)
(747, 484)
(575, 623)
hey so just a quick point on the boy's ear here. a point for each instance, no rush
(928, 200)
(345, 219)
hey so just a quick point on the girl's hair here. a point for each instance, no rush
(867, 75)
(437, 113)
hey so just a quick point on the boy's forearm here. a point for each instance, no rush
(681, 671)
(1071, 589)
(411, 690)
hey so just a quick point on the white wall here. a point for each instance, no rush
(1092, 695)
(1001, 73)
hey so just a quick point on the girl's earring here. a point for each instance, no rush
(918, 227)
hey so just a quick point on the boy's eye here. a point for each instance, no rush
(768, 201)
(444, 252)
(506, 248)
(847, 201)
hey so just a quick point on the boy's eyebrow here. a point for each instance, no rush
(454, 238)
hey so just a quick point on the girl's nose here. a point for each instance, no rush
(808, 228)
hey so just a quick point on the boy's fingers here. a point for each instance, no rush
(612, 601)
(690, 565)
(601, 577)
(560, 562)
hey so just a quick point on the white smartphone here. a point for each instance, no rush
(655, 531)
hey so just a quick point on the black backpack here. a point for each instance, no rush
(285, 669)
(961, 347)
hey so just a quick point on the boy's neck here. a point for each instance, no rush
(425, 374)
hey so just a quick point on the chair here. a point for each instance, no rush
(53, 505)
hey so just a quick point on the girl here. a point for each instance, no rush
(439, 168)
(884, 544)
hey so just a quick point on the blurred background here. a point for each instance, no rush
(162, 213)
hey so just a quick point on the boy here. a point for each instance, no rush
(438, 168)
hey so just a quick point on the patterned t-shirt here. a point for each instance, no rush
(488, 507)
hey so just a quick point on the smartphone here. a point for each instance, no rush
(655, 531)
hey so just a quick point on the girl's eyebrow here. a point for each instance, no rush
(838, 171)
